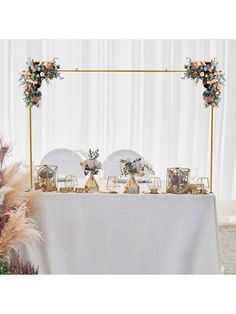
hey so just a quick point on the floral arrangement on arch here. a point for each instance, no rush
(211, 77)
(16, 209)
(32, 78)
(136, 167)
(92, 164)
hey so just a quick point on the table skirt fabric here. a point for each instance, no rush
(126, 234)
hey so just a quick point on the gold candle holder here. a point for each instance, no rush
(203, 185)
(63, 190)
(79, 190)
(153, 191)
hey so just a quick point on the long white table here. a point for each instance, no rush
(127, 234)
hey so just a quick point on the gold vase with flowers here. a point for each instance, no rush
(91, 166)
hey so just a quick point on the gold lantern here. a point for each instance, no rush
(203, 185)
(70, 183)
(177, 180)
(46, 178)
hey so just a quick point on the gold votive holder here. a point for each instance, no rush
(203, 185)
(66, 190)
(193, 189)
(79, 190)
(153, 191)
(63, 190)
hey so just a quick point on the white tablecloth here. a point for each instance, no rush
(127, 234)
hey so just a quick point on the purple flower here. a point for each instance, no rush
(4, 149)
(90, 163)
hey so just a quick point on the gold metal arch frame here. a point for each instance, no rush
(124, 71)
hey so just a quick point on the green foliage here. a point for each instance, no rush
(93, 155)
(4, 267)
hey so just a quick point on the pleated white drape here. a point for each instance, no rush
(157, 114)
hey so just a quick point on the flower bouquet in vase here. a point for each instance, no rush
(133, 168)
(91, 166)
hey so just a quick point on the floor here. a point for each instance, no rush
(227, 243)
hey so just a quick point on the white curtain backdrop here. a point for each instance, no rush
(157, 114)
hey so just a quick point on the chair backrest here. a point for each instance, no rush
(67, 161)
(111, 165)
(82, 153)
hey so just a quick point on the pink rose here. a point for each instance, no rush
(209, 99)
(90, 163)
(35, 100)
(195, 64)
(219, 87)
(48, 64)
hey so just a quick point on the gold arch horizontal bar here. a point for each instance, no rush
(122, 71)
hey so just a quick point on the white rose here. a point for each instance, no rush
(83, 164)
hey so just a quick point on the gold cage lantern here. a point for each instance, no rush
(177, 180)
(46, 178)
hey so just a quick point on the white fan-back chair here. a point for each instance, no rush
(82, 153)
(67, 161)
(111, 165)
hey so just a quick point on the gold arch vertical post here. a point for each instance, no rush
(31, 148)
(211, 147)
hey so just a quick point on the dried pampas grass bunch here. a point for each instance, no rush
(16, 207)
